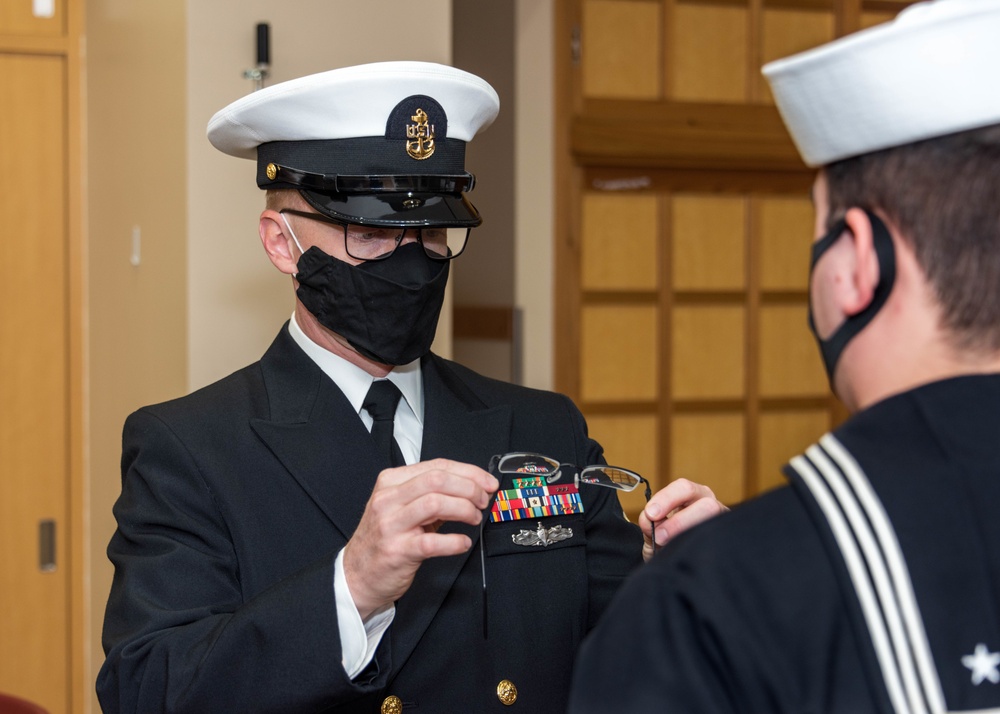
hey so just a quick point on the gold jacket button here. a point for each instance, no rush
(506, 692)
(392, 705)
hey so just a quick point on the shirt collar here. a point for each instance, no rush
(354, 381)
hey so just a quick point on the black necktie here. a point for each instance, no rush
(381, 402)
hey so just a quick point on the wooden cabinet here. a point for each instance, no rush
(683, 231)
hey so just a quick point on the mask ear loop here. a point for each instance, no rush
(294, 238)
(885, 253)
(291, 232)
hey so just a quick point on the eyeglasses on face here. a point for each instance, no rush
(552, 471)
(380, 242)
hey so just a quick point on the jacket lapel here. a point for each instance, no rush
(315, 433)
(457, 426)
(311, 428)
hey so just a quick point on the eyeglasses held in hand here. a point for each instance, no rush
(553, 472)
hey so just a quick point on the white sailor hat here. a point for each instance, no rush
(930, 72)
(376, 144)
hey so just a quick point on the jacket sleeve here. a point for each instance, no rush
(649, 654)
(179, 632)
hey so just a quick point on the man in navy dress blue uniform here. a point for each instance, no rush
(872, 582)
(298, 536)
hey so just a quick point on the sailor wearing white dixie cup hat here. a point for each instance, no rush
(870, 583)
(272, 555)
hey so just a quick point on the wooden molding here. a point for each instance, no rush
(675, 135)
(483, 322)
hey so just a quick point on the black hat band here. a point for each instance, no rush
(365, 156)
(339, 183)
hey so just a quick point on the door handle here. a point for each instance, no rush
(47, 545)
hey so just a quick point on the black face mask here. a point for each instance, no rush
(832, 347)
(386, 309)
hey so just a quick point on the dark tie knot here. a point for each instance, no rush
(382, 400)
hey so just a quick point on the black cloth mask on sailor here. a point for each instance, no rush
(833, 346)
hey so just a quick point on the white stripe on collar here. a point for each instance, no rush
(878, 571)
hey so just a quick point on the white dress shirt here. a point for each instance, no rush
(359, 639)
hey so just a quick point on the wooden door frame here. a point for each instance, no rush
(80, 636)
(70, 47)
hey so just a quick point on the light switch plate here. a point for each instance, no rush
(43, 8)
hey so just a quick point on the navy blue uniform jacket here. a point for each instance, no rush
(235, 501)
(754, 612)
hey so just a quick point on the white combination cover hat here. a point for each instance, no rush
(930, 72)
(377, 144)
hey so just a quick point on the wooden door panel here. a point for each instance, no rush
(617, 336)
(709, 53)
(622, 41)
(34, 374)
(620, 237)
(708, 352)
(32, 18)
(785, 226)
(710, 448)
(785, 32)
(789, 364)
(784, 432)
(683, 235)
(712, 255)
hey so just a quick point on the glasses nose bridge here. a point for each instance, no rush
(410, 235)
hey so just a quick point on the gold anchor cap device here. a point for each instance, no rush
(379, 144)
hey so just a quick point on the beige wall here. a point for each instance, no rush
(136, 181)
(238, 301)
(534, 194)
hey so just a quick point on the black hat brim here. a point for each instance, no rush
(396, 209)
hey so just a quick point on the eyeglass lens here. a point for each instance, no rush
(378, 242)
(374, 243)
(611, 477)
(596, 475)
(529, 464)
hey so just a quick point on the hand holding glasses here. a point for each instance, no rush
(554, 472)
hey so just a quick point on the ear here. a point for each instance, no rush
(858, 291)
(278, 244)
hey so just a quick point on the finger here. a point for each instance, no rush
(447, 483)
(469, 472)
(676, 494)
(698, 512)
(437, 545)
(433, 507)
(379, 575)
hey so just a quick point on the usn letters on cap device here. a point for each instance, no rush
(377, 144)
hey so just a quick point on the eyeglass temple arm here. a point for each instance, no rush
(494, 462)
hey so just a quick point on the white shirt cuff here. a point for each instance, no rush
(358, 640)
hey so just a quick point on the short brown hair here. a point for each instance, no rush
(943, 195)
(277, 198)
